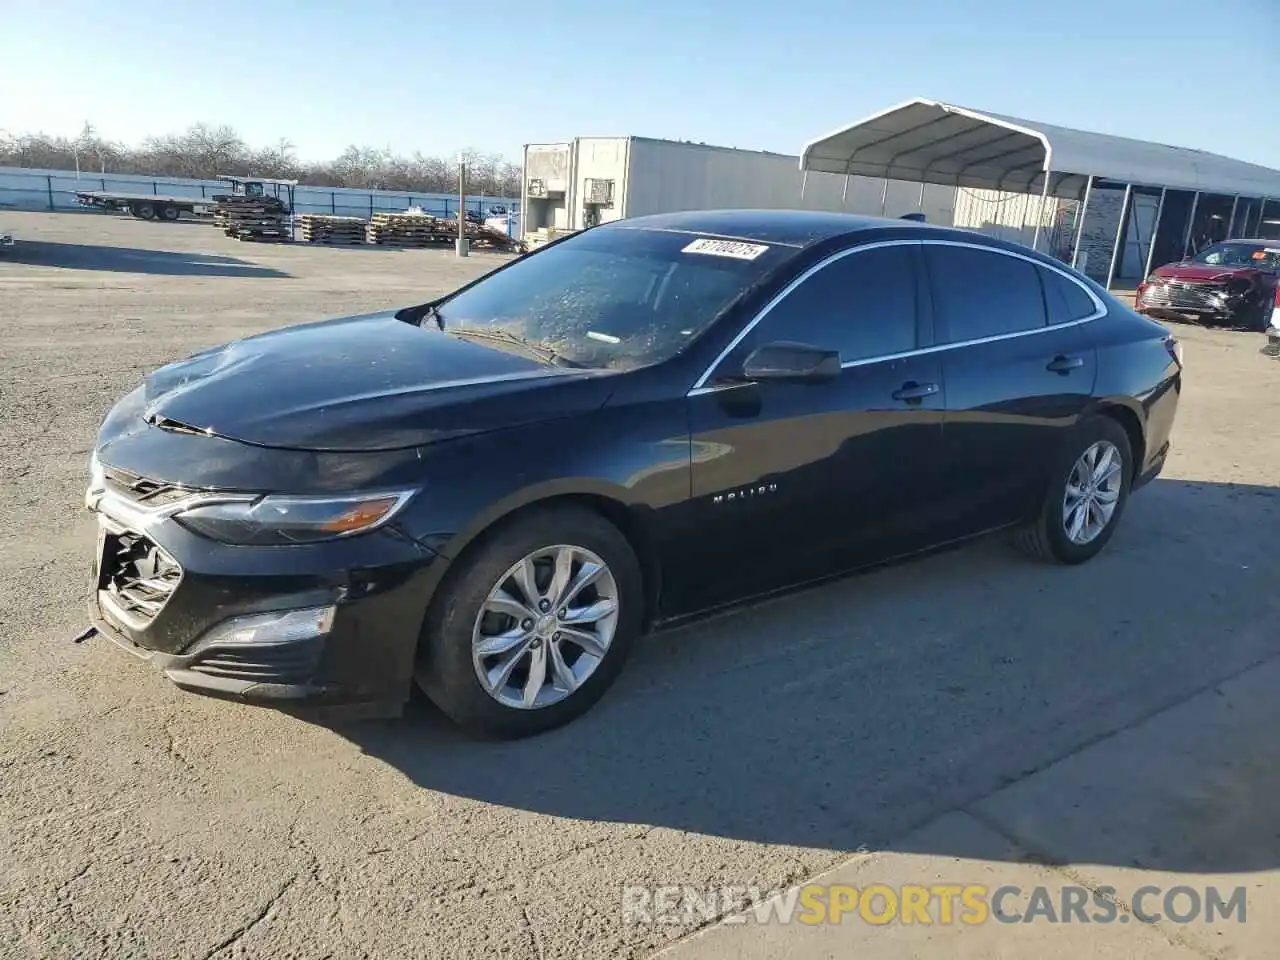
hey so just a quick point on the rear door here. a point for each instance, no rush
(1019, 370)
(794, 481)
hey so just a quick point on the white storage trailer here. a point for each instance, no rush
(577, 183)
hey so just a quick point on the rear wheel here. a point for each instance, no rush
(169, 212)
(534, 625)
(1087, 494)
(143, 210)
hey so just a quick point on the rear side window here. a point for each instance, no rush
(979, 293)
(863, 305)
(1065, 298)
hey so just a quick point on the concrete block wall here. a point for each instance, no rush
(1102, 220)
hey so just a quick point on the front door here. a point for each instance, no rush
(792, 481)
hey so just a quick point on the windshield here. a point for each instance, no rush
(1260, 255)
(615, 297)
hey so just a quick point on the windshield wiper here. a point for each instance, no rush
(498, 334)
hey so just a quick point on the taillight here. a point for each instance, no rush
(1174, 346)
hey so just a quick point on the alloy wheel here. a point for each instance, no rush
(545, 627)
(1092, 493)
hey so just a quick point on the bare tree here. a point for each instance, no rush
(203, 151)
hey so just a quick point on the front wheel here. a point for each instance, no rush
(534, 625)
(1086, 495)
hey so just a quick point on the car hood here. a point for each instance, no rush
(1202, 272)
(371, 382)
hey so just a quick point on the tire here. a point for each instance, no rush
(169, 212)
(450, 675)
(143, 211)
(1047, 536)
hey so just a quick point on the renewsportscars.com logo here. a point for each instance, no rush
(940, 904)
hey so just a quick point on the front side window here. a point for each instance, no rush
(863, 304)
(981, 293)
(614, 297)
(1228, 254)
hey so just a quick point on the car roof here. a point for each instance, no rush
(795, 228)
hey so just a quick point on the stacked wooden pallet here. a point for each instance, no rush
(410, 230)
(326, 228)
(251, 218)
(424, 230)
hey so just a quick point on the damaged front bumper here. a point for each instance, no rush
(334, 622)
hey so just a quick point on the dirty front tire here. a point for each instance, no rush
(169, 212)
(1049, 536)
(478, 609)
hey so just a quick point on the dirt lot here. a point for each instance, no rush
(757, 748)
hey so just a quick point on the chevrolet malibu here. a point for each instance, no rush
(494, 493)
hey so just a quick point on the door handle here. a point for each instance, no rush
(1064, 364)
(913, 392)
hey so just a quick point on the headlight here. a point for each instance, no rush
(278, 520)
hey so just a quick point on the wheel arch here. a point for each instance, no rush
(599, 498)
(1130, 419)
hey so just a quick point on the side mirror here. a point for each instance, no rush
(792, 362)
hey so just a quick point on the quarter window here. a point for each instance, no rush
(981, 293)
(863, 305)
(1065, 298)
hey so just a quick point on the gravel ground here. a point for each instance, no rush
(754, 748)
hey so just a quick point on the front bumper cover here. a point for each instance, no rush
(377, 585)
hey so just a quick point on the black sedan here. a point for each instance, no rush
(496, 492)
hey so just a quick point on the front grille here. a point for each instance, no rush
(137, 575)
(1183, 295)
(151, 493)
(292, 663)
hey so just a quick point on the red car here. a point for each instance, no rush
(1234, 282)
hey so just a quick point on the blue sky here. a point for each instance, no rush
(754, 74)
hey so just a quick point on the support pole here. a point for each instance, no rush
(1262, 214)
(1084, 209)
(1044, 194)
(804, 181)
(1191, 222)
(1155, 232)
(463, 247)
(844, 191)
(1231, 224)
(1121, 234)
(920, 199)
(884, 196)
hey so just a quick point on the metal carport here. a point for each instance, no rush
(928, 141)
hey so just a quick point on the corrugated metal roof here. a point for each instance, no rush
(936, 142)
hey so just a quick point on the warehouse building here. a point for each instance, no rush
(588, 180)
(1112, 206)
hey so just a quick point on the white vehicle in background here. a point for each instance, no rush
(503, 219)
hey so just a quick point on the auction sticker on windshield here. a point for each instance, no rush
(736, 249)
